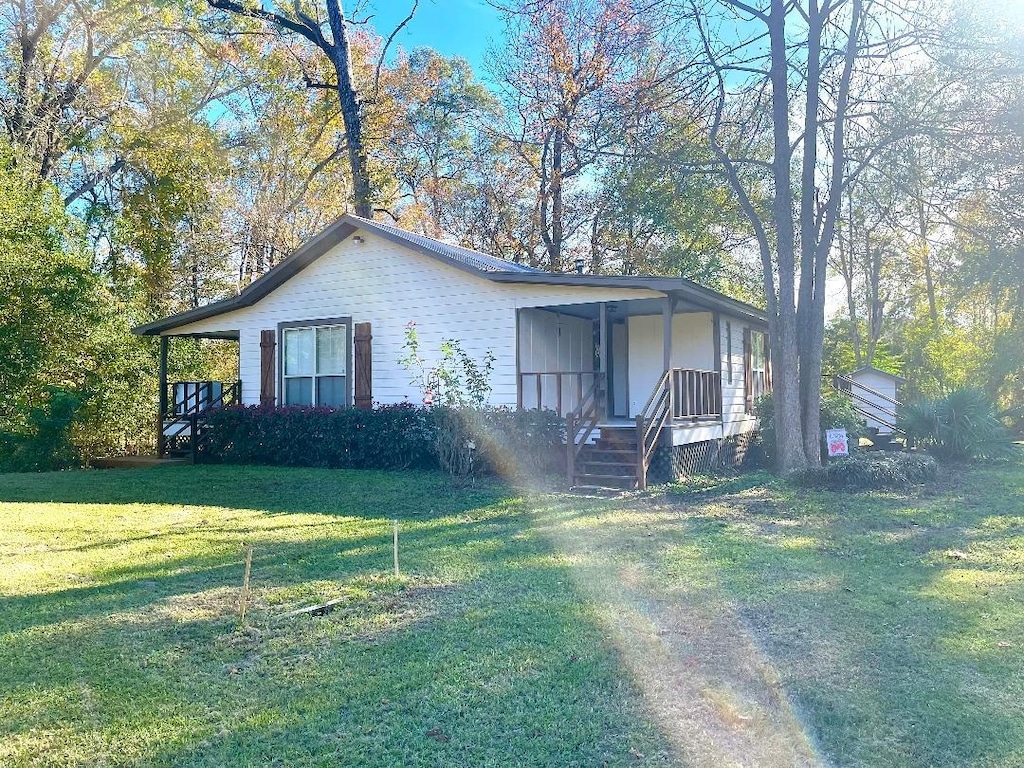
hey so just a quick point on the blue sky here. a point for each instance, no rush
(453, 27)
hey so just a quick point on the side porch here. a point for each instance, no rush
(184, 406)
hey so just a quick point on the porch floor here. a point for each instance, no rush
(624, 421)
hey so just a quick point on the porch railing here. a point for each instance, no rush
(680, 394)
(696, 394)
(560, 391)
(185, 397)
(188, 403)
(868, 402)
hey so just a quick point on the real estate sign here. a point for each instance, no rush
(838, 442)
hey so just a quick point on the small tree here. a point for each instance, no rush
(456, 386)
(455, 380)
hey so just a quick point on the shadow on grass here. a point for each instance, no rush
(481, 653)
(894, 622)
(358, 493)
(858, 603)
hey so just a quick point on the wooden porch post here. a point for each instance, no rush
(667, 310)
(603, 334)
(716, 325)
(162, 398)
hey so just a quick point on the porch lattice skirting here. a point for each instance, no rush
(679, 462)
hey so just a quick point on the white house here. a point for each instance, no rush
(632, 363)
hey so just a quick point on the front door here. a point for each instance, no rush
(618, 370)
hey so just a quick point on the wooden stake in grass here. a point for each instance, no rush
(396, 546)
(244, 603)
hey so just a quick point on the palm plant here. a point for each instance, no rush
(962, 425)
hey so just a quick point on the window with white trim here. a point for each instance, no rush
(758, 364)
(315, 366)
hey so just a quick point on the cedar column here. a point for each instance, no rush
(602, 333)
(364, 367)
(268, 371)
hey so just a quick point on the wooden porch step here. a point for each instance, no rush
(596, 452)
(605, 481)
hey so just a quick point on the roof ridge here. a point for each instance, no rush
(479, 259)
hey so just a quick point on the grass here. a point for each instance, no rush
(120, 643)
(735, 622)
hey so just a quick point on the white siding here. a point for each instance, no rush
(693, 346)
(876, 407)
(734, 419)
(389, 286)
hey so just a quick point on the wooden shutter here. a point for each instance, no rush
(748, 373)
(268, 371)
(363, 367)
(767, 364)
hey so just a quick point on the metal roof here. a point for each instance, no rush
(470, 258)
(466, 259)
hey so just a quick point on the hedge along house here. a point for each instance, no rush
(640, 367)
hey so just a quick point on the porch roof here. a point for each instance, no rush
(474, 262)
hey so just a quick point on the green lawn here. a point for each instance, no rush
(752, 624)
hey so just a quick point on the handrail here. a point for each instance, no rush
(587, 413)
(229, 395)
(654, 393)
(660, 408)
(589, 397)
(853, 383)
(879, 413)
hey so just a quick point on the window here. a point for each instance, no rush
(728, 349)
(759, 364)
(755, 367)
(315, 365)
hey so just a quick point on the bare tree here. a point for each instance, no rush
(572, 72)
(328, 29)
(806, 73)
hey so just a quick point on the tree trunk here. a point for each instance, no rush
(348, 99)
(782, 325)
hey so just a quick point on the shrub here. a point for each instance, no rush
(837, 412)
(386, 437)
(462, 441)
(44, 444)
(505, 442)
(870, 471)
(962, 425)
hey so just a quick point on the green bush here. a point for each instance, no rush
(387, 437)
(504, 441)
(44, 444)
(960, 426)
(871, 471)
(837, 412)
(461, 441)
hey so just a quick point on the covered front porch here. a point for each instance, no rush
(625, 375)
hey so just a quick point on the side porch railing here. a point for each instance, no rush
(868, 402)
(560, 391)
(681, 394)
(582, 421)
(188, 403)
